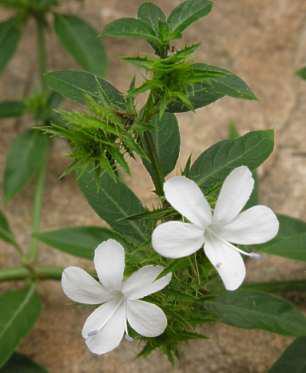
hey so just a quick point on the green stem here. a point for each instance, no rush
(41, 50)
(32, 253)
(22, 273)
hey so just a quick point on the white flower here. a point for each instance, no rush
(215, 230)
(106, 326)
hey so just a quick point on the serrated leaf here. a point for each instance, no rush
(290, 241)
(6, 233)
(215, 163)
(25, 157)
(20, 363)
(293, 360)
(19, 311)
(152, 15)
(187, 13)
(166, 137)
(77, 85)
(81, 41)
(9, 38)
(11, 109)
(249, 309)
(220, 83)
(113, 201)
(77, 241)
(130, 27)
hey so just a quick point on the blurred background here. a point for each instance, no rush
(263, 42)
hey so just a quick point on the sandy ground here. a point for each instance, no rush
(262, 41)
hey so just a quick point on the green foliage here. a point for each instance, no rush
(78, 85)
(215, 163)
(187, 13)
(99, 138)
(302, 73)
(114, 201)
(293, 360)
(6, 233)
(11, 109)
(250, 309)
(19, 311)
(216, 84)
(81, 41)
(77, 241)
(25, 157)
(10, 34)
(152, 15)
(20, 363)
(166, 138)
(290, 241)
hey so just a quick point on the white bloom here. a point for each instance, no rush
(106, 326)
(215, 230)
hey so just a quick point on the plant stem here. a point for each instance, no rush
(22, 273)
(41, 50)
(38, 199)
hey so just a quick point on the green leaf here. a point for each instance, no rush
(6, 233)
(302, 73)
(290, 241)
(130, 27)
(166, 137)
(152, 15)
(25, 157)
(76, 85)
(11, 109)
(218, 83)
(187, 13)
(258, 310)
(9, 37)
(77, 241)
(113, 201)
(293, 360)
(20, 363)
(233, 134)
(215, 163)
(19, 311)
(81, 41)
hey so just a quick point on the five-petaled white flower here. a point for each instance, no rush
(105, 327)
(216, 230)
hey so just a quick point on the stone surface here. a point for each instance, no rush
(262, 41)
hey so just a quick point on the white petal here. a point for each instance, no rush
(256, 225)
(146, 318)
(111, 320)
(235, 192)
(143, 282)
(79, 286)
(186, 197)
(175, 239)
(109, 263)
(227, 261)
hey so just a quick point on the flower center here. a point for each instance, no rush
(214, 231)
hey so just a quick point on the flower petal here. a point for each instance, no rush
(143, 282)
(105, 327)
(186, 197)
(146, 318)
(79, 286)
(234, 194)
(109, 263)
(256, 225)
(175, 239)
(227, 261)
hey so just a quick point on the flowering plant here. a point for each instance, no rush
(212, 202)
